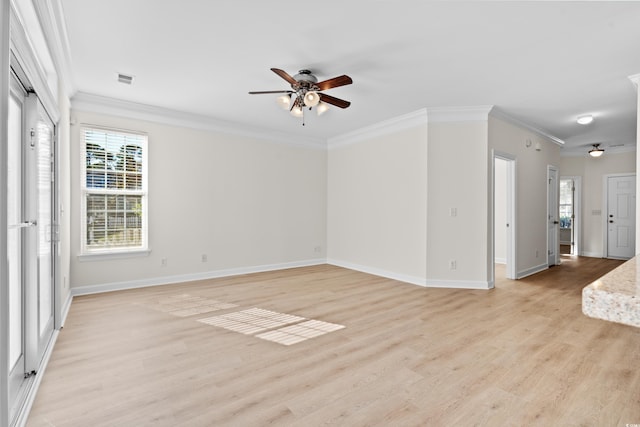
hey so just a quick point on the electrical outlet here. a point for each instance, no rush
(204, 258)
(163, 262)
(453, 264)
(317, 249)
(537, 253)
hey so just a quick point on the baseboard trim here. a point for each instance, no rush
(500, 260)
(413, 280)
(459, 284)
(592, 254)
(379, 272)
(167, 280)
(65, 310)
(533, 270)
(25, 410)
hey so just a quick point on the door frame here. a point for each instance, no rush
(555, 259)
(577, 212)
(511, 197)
(20, 56)
(605, 209)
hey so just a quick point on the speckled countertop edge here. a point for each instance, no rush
(615, 296)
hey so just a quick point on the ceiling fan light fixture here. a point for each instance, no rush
(284, 101)
(596, 151)
(585, 120)
(307, 92)
(322, 108)
(297, 111)
(311, 98)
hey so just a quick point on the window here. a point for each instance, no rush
(114, 187)
(566, 203)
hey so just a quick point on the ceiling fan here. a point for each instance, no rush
(306, 92)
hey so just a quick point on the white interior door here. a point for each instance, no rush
(621, 216)
(553, 222)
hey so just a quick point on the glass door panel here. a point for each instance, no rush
(38, 211)
(15, 249)
(44, 134)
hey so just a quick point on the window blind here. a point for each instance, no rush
(115, 190)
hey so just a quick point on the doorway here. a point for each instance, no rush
(620, 226)
(570, 215)
(30, 238)
(553, 222)
(504, 199)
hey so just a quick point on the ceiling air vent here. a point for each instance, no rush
(125, 79)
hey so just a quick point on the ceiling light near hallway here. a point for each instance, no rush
(596, 151)
(585, 120)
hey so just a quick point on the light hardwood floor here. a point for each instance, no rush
(521, 354)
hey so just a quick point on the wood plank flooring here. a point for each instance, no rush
(521, 354)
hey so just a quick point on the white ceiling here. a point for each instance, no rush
(544, 63)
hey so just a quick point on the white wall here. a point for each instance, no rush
(458, 179)
(500, 212)
(377, 204)
(593, 170)
(247, 204)
(531, 189)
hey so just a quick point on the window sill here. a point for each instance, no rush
(98, 256)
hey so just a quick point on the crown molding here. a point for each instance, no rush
(414, 119)
(499, 114)
(635, 79)
(386, 127)
(115, 107)
(53, 24)
(478, 113)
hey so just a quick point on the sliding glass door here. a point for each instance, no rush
(31, 238)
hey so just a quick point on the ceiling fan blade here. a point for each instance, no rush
(270, 91)
(285, 76)
(334, 101)
(334, 82)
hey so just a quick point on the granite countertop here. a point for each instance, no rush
(615, 296)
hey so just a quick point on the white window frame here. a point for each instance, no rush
(121, 251)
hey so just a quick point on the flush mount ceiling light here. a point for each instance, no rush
(596, 151)
(306, 92)
(585, 120)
